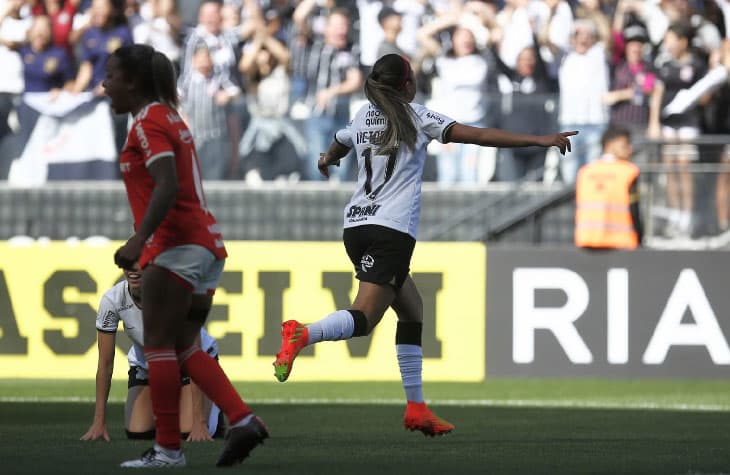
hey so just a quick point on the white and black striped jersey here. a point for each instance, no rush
(388, 189)
(117, 305)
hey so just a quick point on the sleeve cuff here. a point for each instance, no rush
(446, 132)
(346, 146)
(157, 156)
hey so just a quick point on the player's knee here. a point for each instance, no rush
(363, 324)
(199, 308)
(408, 333)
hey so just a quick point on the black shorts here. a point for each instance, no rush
(380, 255)
(138, 377)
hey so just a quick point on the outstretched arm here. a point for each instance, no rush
(489, 137)
(104, 371)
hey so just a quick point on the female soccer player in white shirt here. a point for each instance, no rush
(123, 302)
(390, 135)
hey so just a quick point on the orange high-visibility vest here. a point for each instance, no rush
(602, 198)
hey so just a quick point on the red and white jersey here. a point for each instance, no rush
(158, 131)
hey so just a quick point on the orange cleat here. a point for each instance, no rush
(294, 337)
(419, 417)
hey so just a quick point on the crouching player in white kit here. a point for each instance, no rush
(199, 417)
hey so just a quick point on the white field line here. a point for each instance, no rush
(537, 403)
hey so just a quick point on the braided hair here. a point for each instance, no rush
(151, 70)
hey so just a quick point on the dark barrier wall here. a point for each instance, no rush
(566, 312)
(273, 212)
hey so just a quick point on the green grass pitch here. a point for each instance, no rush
(502, 427)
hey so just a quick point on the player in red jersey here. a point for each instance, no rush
(178, 243)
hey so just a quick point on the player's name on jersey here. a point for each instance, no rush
(368, 136)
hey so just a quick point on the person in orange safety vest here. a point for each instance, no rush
(607, 197)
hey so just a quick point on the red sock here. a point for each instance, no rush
(205, 371)
(164, 380)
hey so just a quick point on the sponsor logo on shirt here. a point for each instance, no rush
(186, 136)
(173, 118)
(113, 44)
(435, 117)
(50, 65)
(125, 167)
(109, 319)
(374, 117)
(367, 262)
(361, 213)
(143, 139)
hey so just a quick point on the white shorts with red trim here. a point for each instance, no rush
(195, 265)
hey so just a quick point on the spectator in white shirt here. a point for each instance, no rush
(583, 79)
(459, 93)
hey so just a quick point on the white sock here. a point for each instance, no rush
(410, 362)
(213, 419)
(243, 421)
(675, 216)
(336, 326)
(172, 453)
(685, 220)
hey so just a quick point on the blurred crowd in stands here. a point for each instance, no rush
(266, 83)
